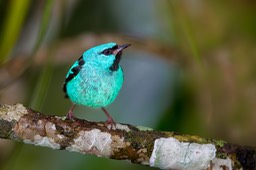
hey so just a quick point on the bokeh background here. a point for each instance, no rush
(190, 69)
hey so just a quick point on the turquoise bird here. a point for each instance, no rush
(95, 79)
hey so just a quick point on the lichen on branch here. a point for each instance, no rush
(165, 150)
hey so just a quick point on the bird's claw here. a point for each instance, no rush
(111, 123)
(70, 116)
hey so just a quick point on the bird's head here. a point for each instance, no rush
(105, 55)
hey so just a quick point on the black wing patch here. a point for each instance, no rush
(75, 71)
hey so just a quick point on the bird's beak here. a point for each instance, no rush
(121, 48)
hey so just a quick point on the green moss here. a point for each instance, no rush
(143, 139)
(221, 155)
(144, 128)
(219, 143)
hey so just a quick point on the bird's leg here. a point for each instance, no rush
(70, 114)
(110, 120)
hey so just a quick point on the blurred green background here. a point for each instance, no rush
(190, 69)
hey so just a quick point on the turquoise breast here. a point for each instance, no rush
(94, 86)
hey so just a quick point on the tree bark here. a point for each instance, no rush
(141, 145)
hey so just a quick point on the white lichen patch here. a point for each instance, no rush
(94, 142)
(61, 117)
(118, 143)
(12, 112)
(121, 127)
(43, 141)
(221, 164)
(169, 153)
(143, 158)
(50, 130)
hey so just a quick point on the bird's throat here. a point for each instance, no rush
(115, 65)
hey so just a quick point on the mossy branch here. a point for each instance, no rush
(165, 150)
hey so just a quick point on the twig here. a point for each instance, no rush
(66, 50)
(165, 150)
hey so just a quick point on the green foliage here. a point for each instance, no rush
(14, 21)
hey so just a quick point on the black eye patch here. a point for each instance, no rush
(109, 51)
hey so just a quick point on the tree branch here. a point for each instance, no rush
(165, 150)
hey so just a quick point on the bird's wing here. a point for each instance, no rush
(73, 71)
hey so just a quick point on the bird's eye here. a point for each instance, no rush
(107, 52)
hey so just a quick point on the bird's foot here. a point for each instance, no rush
(70, 115)
(110, 122)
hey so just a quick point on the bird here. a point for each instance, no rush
(95, 79)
